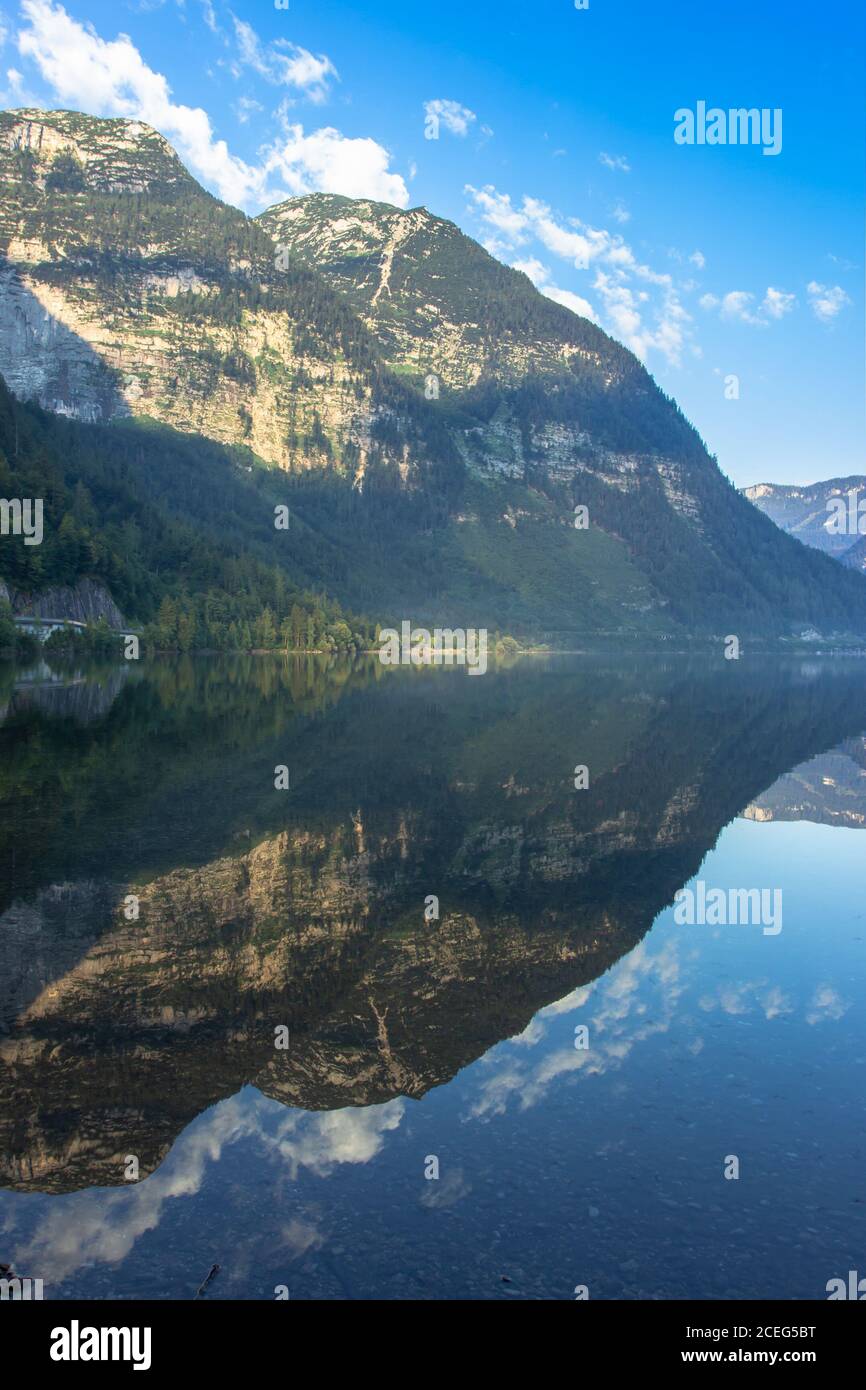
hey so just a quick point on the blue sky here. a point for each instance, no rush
(556, 149)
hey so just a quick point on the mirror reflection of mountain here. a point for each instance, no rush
(305, 907)
(829, 790)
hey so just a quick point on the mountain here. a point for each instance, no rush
(855, 558)
(810, 514)
(434, 421)
(437, 302)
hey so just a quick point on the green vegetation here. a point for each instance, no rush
(12, 640)
(127, 506)
(90, 643)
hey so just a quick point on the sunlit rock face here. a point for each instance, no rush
(125, 289)
(443, 310)
(377, 353)
(116, 293)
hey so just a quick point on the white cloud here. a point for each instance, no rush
(327, 162)
(624, 310)
(574, 246)
(621, 306)
(778, 303)
(575, 302)
(826, 1003)
(16, 93)
(102, 1227)
(776, 1003)
(537, 272)
(620, 214)
(447, 1193)
(245, 107)
(540, 277)
(626, 305)
(94, 1227)
(110, 78)
(497, 211)
(738, 999)
(322, 1141)
(577, 242)
(456, 118)
(575, 999)
(615, 161)
(826, 302)
(210, 18)
(699, 259)
(284, 64)
(737, 306)
(634, 1004)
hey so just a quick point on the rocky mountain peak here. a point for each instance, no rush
(65, 151)
(436, 300)
(380, 351)
(338, 226)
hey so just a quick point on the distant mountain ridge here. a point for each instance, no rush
(808, 512)
(436, 420)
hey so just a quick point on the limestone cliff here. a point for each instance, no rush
(126, 289)
(84, 602)
(383, 354)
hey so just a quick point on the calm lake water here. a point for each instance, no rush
(234, 1031)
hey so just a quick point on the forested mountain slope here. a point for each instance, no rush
(432, 420)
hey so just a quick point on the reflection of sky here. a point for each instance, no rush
(103, 1226)
(676, 969)
(704, 1041)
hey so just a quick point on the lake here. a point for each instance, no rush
(369, 983)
